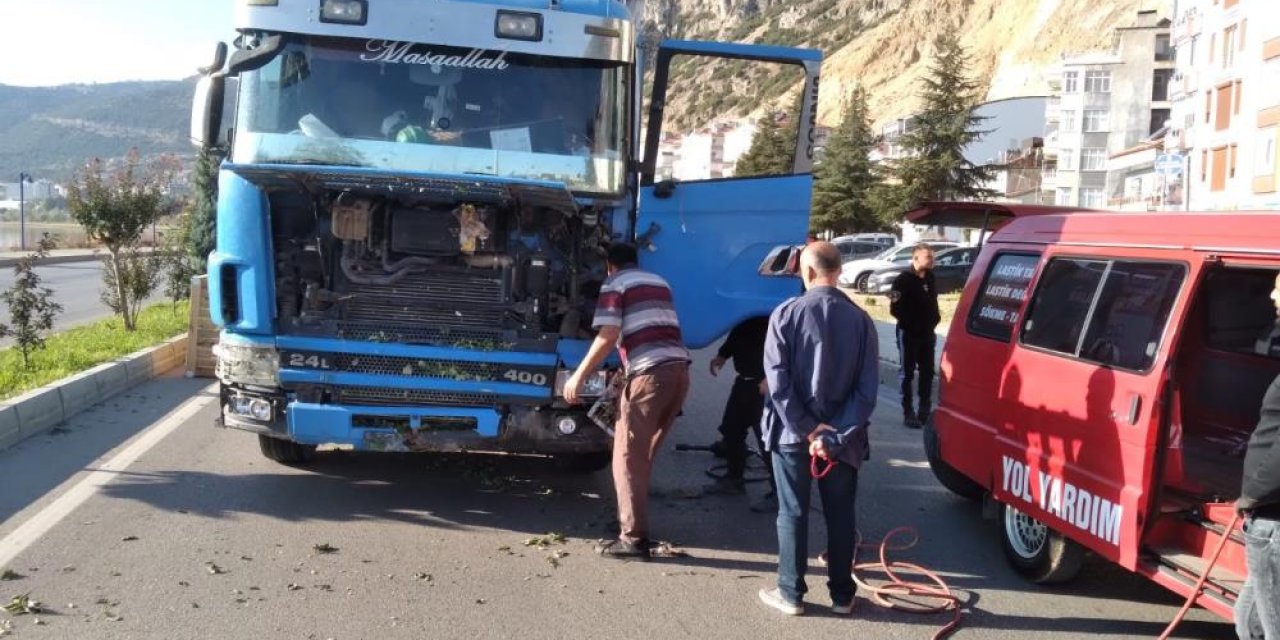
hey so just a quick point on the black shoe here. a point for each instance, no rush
(623, 550)
(925, 412)
(910, 419)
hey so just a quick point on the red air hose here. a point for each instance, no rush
(1204, 577)
(904, 595)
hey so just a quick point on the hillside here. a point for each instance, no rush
(885, 45)
(49, 131)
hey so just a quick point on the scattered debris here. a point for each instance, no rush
(38, 622)
(667, 550)
(115, 574)
(111, 616)
(22, 605)
(481, 601)
(555, 563)
(10, 575)
(213, 569)
(324, 547)
(68, 569)
(545, 541)
(328, 588)
(423, 577)
(183, 583)
(6, 627)
(295, 587)
(129, 539)
(246, 558)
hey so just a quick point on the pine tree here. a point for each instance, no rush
(844, 180)
(934, 166)
(202, 235)
(31, 306)
(772, 150)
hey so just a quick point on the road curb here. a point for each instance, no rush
(42, 409)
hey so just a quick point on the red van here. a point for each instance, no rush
(1100, 380)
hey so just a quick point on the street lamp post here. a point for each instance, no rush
(23, 179)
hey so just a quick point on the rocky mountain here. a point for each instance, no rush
(885, 46)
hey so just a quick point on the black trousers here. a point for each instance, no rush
(917, 351)
(741, 415)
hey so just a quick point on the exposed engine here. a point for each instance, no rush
(392, 269)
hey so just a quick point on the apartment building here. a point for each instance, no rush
(1226, 102)
(1104, 105)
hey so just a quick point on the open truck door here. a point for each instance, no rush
(717, 239)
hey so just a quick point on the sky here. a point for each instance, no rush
(50, 42)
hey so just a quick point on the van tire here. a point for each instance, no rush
(1039, 553)
(860, 283)
(583, 463)
(947, 476)
(286, 451)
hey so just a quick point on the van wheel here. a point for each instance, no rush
(583, 463)
(285, 451)
(1039, 553)
(947, 476)
(860, 283)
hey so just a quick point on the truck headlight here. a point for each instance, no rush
(244, 364)
(592, 387)
(517, 25)
(344, 11)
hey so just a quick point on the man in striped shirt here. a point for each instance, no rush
(636, 313)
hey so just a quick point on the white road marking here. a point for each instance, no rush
(40, 523)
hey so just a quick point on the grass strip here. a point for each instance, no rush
(74, 350)
(878, 306)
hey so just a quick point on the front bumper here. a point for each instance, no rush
(508, 429)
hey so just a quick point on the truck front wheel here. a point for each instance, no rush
(1039, 553)
(285, 451)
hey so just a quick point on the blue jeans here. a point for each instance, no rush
(1258, 607)
(838, 491)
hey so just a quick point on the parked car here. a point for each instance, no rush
(950, 271)
(1099, 383)
(856, 273)
(855, 249)
(885, 240)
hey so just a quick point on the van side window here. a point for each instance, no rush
(1131, 313)
(1241, 316)
(995, 312)
(1061, 305)
(1109, 312)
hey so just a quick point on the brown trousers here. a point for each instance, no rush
(647, 408)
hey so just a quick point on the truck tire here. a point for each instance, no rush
(583, 463)
(285, 451)
(1039, 553)
(947, 476)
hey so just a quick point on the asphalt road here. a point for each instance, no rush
(434, 547)
(77, 286)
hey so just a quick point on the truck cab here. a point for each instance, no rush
(414, 207)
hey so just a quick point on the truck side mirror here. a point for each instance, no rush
(219, 60)
(206, 110)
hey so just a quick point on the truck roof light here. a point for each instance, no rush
(344, 11)
(517, 25)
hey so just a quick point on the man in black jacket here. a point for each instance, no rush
(1258, 607)
(745, 346)
(914, 303)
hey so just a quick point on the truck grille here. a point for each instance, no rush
(423, 368)
(380, 397)
(418, 333)
(428, 306)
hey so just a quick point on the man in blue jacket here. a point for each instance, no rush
(821, 365)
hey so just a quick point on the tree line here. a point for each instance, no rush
(851, 192)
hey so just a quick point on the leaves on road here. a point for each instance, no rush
(23, 605)
(324, 547)
(10, 575)
(543, 542)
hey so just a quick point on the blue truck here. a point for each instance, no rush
(414, 206)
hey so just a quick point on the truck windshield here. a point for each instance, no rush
(423, 108)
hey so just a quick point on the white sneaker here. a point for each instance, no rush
(773, 598)
(842, 609)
